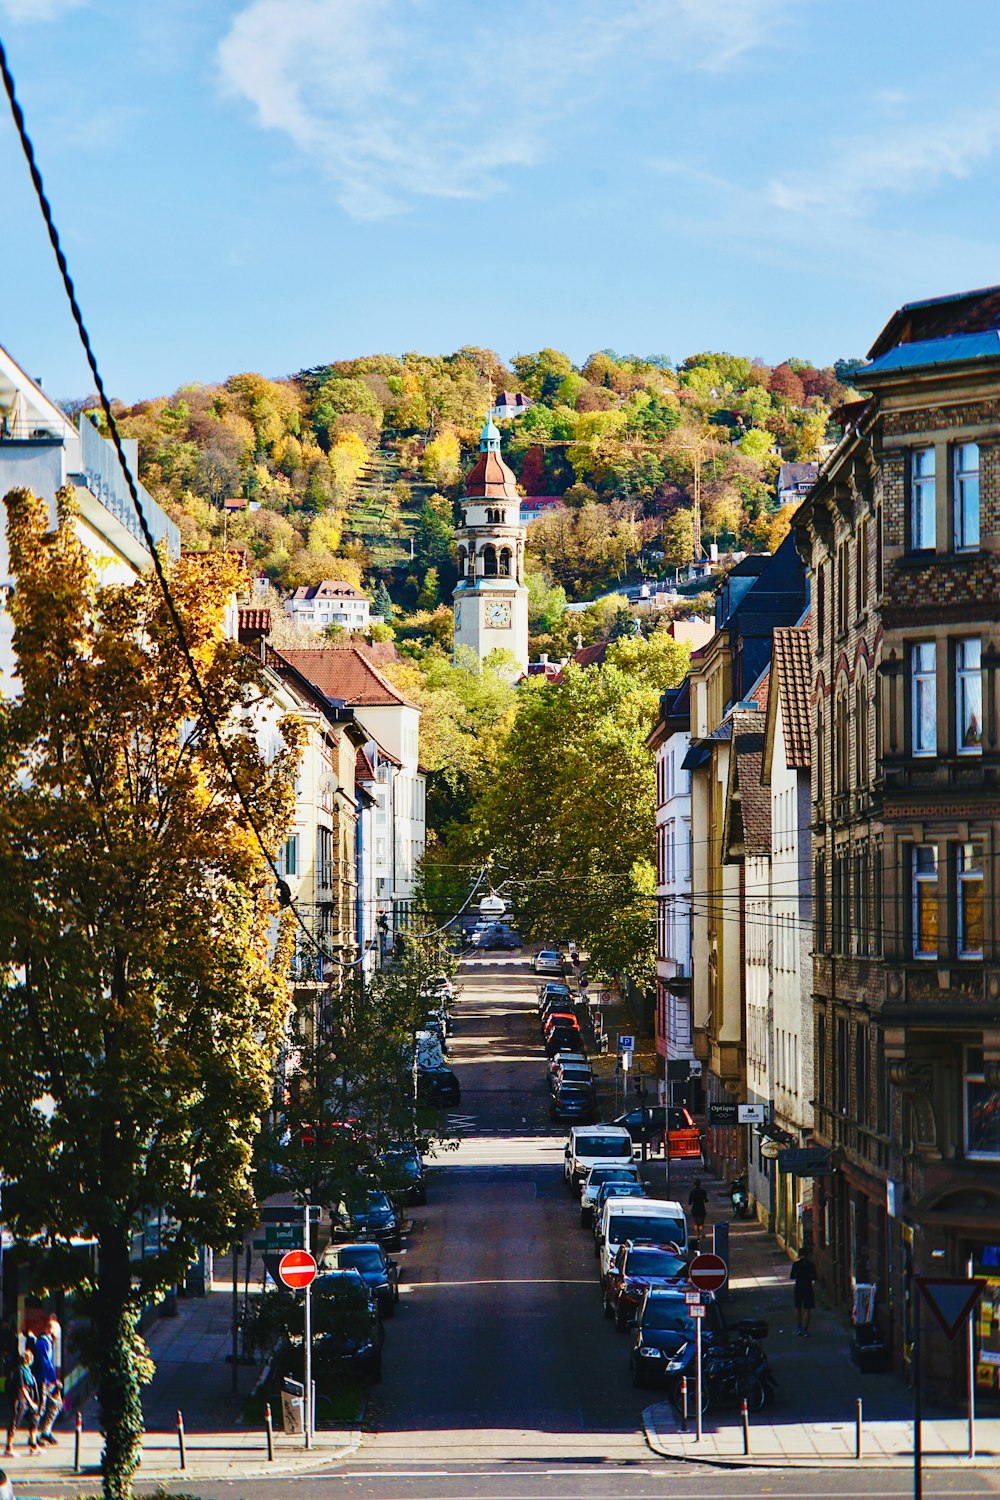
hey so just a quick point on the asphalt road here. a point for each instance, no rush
(501, 1378)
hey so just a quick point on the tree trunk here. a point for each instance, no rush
(118, 1377)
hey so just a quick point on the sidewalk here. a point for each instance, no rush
(192, 1376)
(812, 1418)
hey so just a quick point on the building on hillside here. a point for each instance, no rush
(669, 741)
(346, 675)
(491, 599)
(42, 450)
(786, 774)
(332, 602)
(795, 481)
(901, 534)
(727, 675)
(510, 404)
(533, 506)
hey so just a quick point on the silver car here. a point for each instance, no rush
(595, 1180)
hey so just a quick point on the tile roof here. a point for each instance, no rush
(257, 621)
(790, 662)
(347, 674)
(490, 479)
(330, 588)
(753, 796)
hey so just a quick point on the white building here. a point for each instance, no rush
(332, 602)
(346, 675)
(491, 599)
(669, 741)
(786, 773)
(42, 450)
(510, 404)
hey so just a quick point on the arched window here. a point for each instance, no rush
(505, 556)
(861, 733)
(489, 556)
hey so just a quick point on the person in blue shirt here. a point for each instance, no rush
(47, 1380)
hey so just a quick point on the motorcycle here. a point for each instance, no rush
(739, 1197)
(730, 1374)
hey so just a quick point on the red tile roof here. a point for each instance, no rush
(490, 479)
(345, 672)
(255, 621)
(791, 665)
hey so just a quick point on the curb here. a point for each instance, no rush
(660, 1445)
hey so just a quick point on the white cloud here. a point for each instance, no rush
(912, 159)
(38, 10)
(401, 99)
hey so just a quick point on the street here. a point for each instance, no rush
(501, 1377)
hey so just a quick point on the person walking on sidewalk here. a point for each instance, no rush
(22, 1393)
(47, 1379)
(698, 1203)
(803, 1274)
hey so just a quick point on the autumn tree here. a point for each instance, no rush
(142, 1001)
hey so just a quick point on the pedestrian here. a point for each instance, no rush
(22, 1393)
(803, 1273)
(47, 1379)
(698, 1202)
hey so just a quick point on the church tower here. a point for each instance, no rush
(491, 600)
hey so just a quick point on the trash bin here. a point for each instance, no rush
(293, 1406)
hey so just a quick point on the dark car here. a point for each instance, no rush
(574, 1101)
(685, 1138)
(553, 990)
(635, 1270)
(436, 1086)
(663, 1326)
(367, 1215)
(562, 1039)
(379, 1271)
(346, 1327)
(403, 1175)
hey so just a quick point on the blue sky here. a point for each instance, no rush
(270, 184)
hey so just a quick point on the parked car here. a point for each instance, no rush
(548, 961)
(570, 1073)
(685, 1138)
(379, 1272)
(589, 1145)
(403, 1175)
(647, 1221)
(430, 1049)
(635, 1269)
(559, 1020)
(367, 1215)
(574, 1101)
(437, 1086)
(553, 990)
(595, 1180)
(347, 1331)
(562, 1038)
(612, 1190)
(663, 1326)
(578, 1057)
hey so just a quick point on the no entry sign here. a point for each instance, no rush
(708, 1273)
(297, 1269)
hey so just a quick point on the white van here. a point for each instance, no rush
(592, 1145)
(653, 1221)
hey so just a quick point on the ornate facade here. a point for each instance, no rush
(491, 599)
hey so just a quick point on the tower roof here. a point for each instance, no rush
(490, 478)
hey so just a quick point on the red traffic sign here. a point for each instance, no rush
(708, 1272)
(297, 1269)
(951, 1299)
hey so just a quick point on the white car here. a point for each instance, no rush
(592, 1145)
(648, 1221)
(548, 961)
(595, 1180)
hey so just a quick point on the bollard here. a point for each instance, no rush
(857, 1430)
(77, 1439)
(180, 1439)
(269, 1428)
(684, 1403)
(746, 1426)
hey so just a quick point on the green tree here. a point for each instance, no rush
(139, 997)
(546, 602)
(430, 590)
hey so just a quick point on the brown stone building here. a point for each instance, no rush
(901, 535)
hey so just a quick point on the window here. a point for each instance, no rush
(923, 697)
(291, 856)
(971, 908)
(923, 523)
(820, 754)
(925, 901)
(969, 696)
(819, 882)
(878, 551)
(843, 582)
(966, 493)
(877, 899)
(861, 732)
(820, 606)
(841, 1082)
(324, 857)
(982, 1107)
(862, 1086)
(842, 745)
(861, 571)
(821, 1059)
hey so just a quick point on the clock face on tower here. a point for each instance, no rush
(498, 614)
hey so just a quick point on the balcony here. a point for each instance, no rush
(104, 478)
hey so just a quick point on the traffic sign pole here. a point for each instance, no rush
(697, 1389)
(307, 1339)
